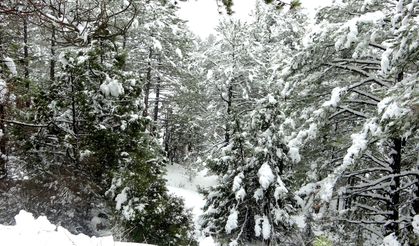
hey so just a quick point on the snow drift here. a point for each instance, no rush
(40, 232)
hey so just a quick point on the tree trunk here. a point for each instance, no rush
(52, 60)
(229, 111)
(157, 100)
(25, 50)
(394, 203)
(148, 84)
(3, 143)
(167, 135)
(395, 166)
(74, 124)
(3, 139)
(26, 59)
(229, 101)
(415, 203)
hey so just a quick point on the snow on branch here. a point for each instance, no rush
(361, 72)
(359, 145)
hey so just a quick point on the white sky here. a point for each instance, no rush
(203, 15)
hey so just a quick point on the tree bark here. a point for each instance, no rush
(157, 100)
(229, 111)
(394, 203)
(25, 50)
(415, 203)
(395, 166)
(26, 59)
(167, 135)
(3, 139)
(74, 123)
(52, 60)
(3, 143)
(148, 84)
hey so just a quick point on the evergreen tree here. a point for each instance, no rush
(254, 201)
(85, 129)
(371, 174)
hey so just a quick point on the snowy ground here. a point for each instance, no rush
(184, 185)
(40, 232)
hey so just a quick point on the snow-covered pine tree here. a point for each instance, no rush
(254, 201)
(372, 177)
(90, 131)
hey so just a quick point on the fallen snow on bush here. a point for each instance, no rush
(40, 232)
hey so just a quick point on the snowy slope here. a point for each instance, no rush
(40, 232)
(186, 186)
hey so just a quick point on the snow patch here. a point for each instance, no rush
(237, 187)
(208, 241)
(266, 228)
(258, 228)
(335, 98)
(3, 91)
(415, 224)
(390, 240)
(390, 110)
(179, 53)
(280, 190)
(10, 65)
(192, 199)
(232, 222)
(121, 198)
(111, 87)
(157, 44)
(40, 232)
(237, 182)
(299, 220)
(266, 177)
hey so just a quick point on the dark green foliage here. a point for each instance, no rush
(89, 132)
(278, 3)
(148, 211)
(228, 4)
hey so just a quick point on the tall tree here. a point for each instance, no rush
(374, 171)
(85, 128)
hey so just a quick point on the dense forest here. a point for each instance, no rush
(309, 123)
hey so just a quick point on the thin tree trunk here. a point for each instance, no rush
(157, 101)
(26, 59)
(166, 139)
(229, 102)
(52, 60)
(148, 84)
(25, 50)
(395, 166)
(124, 42)
(3, 171)
(229, 111)
(3, 143)
(394, 203)
(74, 124)
(415, 203)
